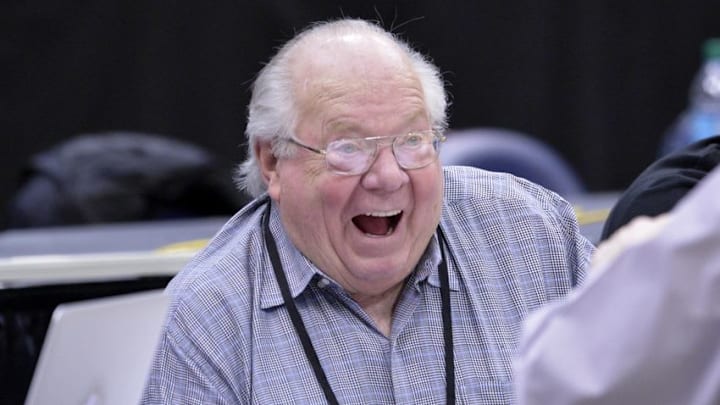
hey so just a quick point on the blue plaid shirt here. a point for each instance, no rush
(229, 339)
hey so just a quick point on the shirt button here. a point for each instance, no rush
(323, 282)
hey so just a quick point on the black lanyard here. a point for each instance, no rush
(305, 338)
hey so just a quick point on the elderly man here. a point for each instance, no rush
(363, 272)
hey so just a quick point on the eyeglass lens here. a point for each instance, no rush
(354, 156)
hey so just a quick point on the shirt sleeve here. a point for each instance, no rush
(644, 328)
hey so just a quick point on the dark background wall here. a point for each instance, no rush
(598, 80)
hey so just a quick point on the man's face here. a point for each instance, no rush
(365, 231)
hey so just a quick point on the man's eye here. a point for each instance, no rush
(413, 139)
(346, 147)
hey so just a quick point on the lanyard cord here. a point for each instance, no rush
(301, 331)
(294, 314)
(447, 321)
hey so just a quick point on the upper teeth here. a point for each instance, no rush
(383, 214)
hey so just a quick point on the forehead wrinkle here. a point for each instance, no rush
(326, 95)
(343, 125)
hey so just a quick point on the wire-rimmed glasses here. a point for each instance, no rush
(354, 156)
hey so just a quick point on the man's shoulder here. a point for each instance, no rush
(226, 259)
(468, 186)
(501, 203)
(505, 224)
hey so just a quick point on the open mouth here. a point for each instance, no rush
(378, 223)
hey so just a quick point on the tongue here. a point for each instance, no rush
(372, 225)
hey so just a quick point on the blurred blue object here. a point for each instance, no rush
(504, 150)
(701, 118)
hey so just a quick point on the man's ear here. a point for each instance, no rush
(268, 167)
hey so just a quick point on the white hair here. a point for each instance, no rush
(272, 113)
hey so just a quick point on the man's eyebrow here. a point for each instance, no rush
(342, 126)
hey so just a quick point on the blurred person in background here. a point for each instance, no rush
(665, 182)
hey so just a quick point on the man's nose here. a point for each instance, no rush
(385, 172)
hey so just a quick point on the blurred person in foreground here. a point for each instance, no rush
(363, 272)
(645, 327)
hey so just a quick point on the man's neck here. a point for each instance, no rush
(380, 307)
